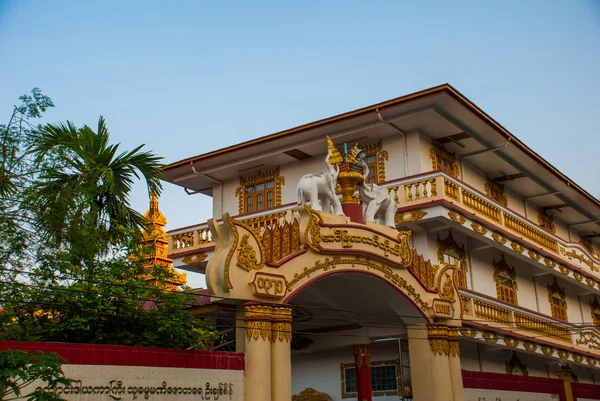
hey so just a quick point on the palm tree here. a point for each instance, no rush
(85, 183)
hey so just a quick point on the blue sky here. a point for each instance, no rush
(187, 77)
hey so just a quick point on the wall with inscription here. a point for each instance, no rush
(97, 383)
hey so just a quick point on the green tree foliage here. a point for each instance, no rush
(87, 282)
(19, 369)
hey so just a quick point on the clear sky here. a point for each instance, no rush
(188, 77)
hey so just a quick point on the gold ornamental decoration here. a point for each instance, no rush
(562, 354)
(511, 342)
(550, 263)
(362, 355)
(258, 322)
(499, 238)
(246, 257)
(517, 247)
(534, 255)
(447, 290)
(409, 216)
(591, 361)
(549, 351)
(195, 258)
(465, 331)
(578, 358)
(456, 217)
(590, 340)
(259, 178)
(310, 394)
(529, 346)
(438, 340)
(478, 228)
(490, 337)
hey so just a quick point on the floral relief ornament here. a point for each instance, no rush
(478, 228)
(456, 217)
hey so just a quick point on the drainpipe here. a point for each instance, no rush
(211, 179)
(406, 174)
(480, 152)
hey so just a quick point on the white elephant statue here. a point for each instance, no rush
(377, 201)
(320, 187)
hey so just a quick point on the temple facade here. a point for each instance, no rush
(410, 250)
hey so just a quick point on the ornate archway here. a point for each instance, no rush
(266, 269)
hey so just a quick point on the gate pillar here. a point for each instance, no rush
(435, 363)
(257, 382)
(362, 359)
(281, 358)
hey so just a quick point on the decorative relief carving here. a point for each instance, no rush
(375, 158)
(282, 326)
(409, 216)
(550, 263)
(490, 337)
(589, 282)
(451, 253)
(590, 340)
(478, 228)
(330, 264)
(465, 331)
(578, 358)
(495, 190)
(499, 238)
(517, 247)
(310, 394)
(506, 281)
(456, 217)
(441, 159)
(259, 178)
(246, 257)
(511, 342)
(564, 269)
(514, 366)
(447, 290)
(258, 322)
(529, 346)
(547, 350)
(195, 258)
(591, 361)
(577, 276)
(443, 340)
(562, 354)
(534, 255)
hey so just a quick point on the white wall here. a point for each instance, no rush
(321, 371)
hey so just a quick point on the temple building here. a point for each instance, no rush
(410, 250)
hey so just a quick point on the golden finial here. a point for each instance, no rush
(336, 157)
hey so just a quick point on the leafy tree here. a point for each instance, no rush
(19, 369)
(17, 172)
(88, 282)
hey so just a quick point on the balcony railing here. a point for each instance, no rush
(419, 192)
(516, 319)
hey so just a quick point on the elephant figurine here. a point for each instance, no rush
(376, 200)
(321, 187)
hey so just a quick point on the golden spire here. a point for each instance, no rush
(155, 242)
(336, 157)
(351, 157)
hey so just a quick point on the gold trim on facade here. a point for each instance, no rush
(443, 160)
(381, 156)
(257, 178)
(409, 216)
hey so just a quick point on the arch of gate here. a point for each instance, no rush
(267, 268)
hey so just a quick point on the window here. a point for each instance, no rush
(556, 297)
(506, 283)
(441, 159)
(451, 253)
(546, 221)
(514, 366)
(595, 307)
(587, 243)
(495, 190)
(384, 379)
(260, 191)
(371, 161)
(375, 158)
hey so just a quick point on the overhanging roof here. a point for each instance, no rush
(458, 113)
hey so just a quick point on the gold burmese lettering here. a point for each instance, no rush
(442, 308)
(268, 283)
(116, 390)
(347, 241)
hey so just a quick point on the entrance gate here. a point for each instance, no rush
(270, 270)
